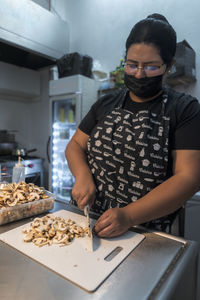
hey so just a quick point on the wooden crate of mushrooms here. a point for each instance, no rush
(22, 200)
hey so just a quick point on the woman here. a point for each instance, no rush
(135, 156)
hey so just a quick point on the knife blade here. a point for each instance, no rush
(86, 213)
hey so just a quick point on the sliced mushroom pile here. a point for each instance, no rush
(17, 193)
(50, 230)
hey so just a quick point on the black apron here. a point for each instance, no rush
(128, 156)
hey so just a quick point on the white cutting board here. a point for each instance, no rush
(75, 262)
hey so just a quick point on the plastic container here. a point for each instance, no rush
(25, 210)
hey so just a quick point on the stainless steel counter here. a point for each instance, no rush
(161, 267)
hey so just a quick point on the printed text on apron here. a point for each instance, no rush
(128, 155)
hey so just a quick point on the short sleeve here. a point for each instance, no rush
(88, 122)
(187, 132)
(102, 106)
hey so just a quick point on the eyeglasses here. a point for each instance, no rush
(150, 70)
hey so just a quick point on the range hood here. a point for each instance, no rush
(31, 36)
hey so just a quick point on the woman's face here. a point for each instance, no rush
(144, 57)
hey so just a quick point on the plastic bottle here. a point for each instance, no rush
(18, 172)
(62, 114)
(70, 116)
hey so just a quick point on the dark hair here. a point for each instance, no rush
(156, 30)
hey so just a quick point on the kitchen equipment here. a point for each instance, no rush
(33, 167)
(7, 136)
(90, 236)
(26, 45)
(6, 148)
(23, 152)
(7, 142)
(190, 225)
(74, 262)
(70, 99)
(5, 178)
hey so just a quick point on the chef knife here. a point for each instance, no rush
(90, 244)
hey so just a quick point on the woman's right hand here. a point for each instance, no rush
(84, 191)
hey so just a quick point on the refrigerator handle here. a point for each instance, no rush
(48, 146)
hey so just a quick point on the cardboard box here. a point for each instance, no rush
(183, 71)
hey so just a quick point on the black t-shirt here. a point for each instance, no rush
(183, 110)
(184, 115)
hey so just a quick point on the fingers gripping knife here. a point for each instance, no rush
(90, 242)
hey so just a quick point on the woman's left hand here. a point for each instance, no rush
(112, 222)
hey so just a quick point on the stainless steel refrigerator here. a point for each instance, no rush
(70, 99)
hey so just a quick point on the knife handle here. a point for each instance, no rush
(86, 210)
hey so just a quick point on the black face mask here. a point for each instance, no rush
(146, 87)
